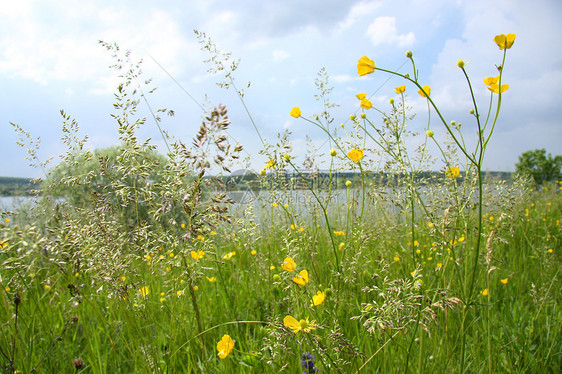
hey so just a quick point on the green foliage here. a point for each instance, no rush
(16, 186)
(539, 166)
(101, 173)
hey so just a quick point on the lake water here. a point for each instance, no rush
(14, 203)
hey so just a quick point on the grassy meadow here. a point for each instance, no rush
(137, 262)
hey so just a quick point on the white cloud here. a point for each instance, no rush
(342, 78)
(383, 30)
(359, 10)
(280, 55)
(67, 50)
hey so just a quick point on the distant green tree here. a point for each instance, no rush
(103, 175)
(540, 166)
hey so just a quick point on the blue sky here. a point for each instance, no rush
(50, 60)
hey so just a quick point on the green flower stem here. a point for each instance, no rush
(325, 213)
(499, 100)
(447, 126)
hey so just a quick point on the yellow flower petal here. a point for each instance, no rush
(356, 154)
(302, 278)
(292, 323)
(452, 172)
(491, 80)
(504, 281)
(366, 104)
(361, 95)
(225, 346)
(504, 41)
(295, 112)
(400, 89)
(289, 265)
(365, 66)
(318, 299)
(495, 88)
(427, 90)
(197, 255)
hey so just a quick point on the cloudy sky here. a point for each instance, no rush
(50, 59)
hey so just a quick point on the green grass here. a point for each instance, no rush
(119, 330)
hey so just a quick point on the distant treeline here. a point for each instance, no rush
(322, 180)
(10, 186)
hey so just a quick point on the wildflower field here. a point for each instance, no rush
(389, 260)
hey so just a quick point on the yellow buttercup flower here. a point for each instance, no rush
(197, 255)
(485, 292)
(304, 324)
(452, 172)
(492, 83)
(144, 291)
(361, 95)
(365, 66)
(504, 41)
(289, 265)
(225, 346)
(301, 278)
(356, 154)
(228, 256)
(270, 164)
(318, 299)
(495, 88)
(212, 279)
(339, 233)
(504, 281)
(491, 80)
(427, 90)
(292, 323)
(295, 112)
(366, 104)
(400, 89)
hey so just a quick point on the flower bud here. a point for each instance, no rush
(262, 172)
(348, 183)
(409, 54)
(391, 101)
(333, 152)
(78, 363)
(363, 115)
(429, 133)
(17, 299)
(453, 123)
(460, 63)
(287, 157)
(352, 117)
(471, 111)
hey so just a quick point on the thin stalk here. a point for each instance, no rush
(377, 352)
(325, 213)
